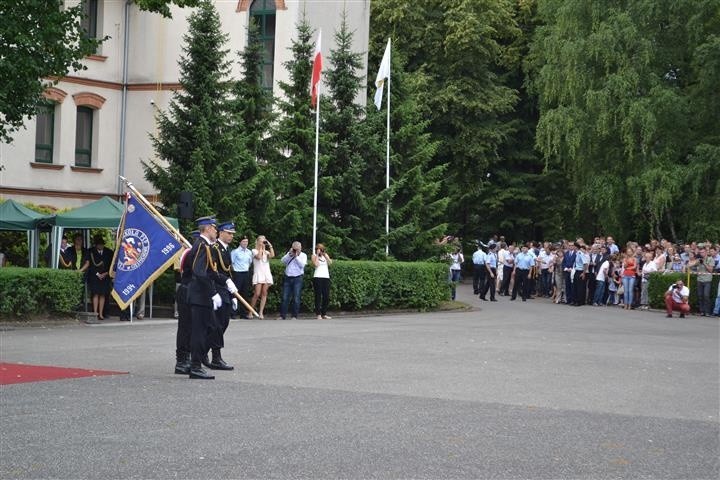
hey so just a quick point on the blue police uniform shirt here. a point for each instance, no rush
(581, 259)
(524, 261)
(479, 257)
(241, 259)
(491, 260)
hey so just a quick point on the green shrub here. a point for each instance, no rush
(358, 285)
(659, 283)
(354, 285)
(38, 291)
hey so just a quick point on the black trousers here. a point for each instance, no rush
(216, 337)
(479, 272)
(489, 285)
(321, 287)
(184, 330)
(507, 275)
(521, 283)
(590, 280)
(579, 288)
(242, 282)
(569, 294)
(203, 320)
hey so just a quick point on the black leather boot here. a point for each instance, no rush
(206, 361)
(218, 363)
(196, 371)
(182, 363)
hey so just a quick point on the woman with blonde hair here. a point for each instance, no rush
(321, 281)
(629, 270)
(262, 276)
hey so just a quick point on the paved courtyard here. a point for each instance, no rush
(508, 390)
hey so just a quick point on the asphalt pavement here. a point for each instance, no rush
(506, 390)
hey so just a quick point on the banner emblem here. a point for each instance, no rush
(135, 249)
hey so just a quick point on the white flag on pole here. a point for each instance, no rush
(382, 75)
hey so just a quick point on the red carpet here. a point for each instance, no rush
(19, 373)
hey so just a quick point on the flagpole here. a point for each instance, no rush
(387, 170)
(317, 151)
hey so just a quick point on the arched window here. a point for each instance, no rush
(263, 12)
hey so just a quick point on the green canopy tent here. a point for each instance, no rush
(17, 217)
(102, 213)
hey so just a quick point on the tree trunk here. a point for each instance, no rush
(671, 225)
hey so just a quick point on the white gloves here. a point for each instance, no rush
(231, 286)
(217, 301)
(234, 304)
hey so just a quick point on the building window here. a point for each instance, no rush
(45, 133)
(90, 17)
(263, 12)
(83, 137)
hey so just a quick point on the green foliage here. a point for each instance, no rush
(163, 6)
(361, 285)
(659, 283)
(38, 291)
(38, 40)
(628, 98)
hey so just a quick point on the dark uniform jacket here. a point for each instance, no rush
(221, 257)
(202, 286)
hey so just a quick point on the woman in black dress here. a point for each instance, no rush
(99, 259)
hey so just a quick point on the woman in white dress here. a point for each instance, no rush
(262, 276)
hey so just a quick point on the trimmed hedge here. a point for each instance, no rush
(354, 285)
(659, 283)
(26, 291)
(358, 285)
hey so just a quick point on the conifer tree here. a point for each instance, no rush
(293, 162)
(198, 149)
(418, 205)
(351, 218)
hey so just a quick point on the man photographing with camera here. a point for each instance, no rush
(676, 298)
(295, 261)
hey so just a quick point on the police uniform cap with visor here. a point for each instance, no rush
(226, 227)
(206, 221)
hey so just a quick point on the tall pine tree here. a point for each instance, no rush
(198, 149)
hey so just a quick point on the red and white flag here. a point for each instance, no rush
(317, 69)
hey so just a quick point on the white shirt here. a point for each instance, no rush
(322, 271)
(602, 272)
(648, 268)
(457, 259)
(679, 293)
(478, 257)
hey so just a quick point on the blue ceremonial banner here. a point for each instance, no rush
(146, 248)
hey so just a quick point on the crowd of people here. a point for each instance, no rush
(598, 274)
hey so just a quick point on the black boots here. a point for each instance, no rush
(182, 363)
(206, 361)
(217, 362)
(196, 371)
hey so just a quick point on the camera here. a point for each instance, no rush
(266, 243)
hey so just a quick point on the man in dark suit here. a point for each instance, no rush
(202, 295)
(226, 289)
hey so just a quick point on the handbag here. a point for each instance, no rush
(621, 289)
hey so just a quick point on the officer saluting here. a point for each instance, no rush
(202, 295)
(226, 289)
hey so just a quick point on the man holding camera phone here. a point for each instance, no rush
(295, 260)
(676, 298)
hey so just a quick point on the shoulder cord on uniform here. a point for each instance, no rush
(64, 263)
(222, 264)
(92, 257)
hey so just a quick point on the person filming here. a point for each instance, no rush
(676, 298)
(295, 260)
(321, 281)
